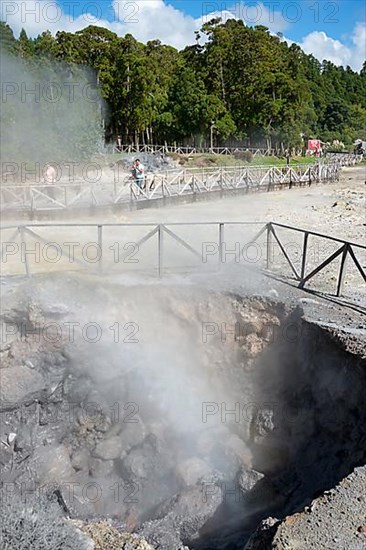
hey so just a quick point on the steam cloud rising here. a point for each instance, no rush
(50, 111)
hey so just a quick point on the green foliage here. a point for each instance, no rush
(8, 43)
(242, 82)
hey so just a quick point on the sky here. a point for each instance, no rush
(333, 30)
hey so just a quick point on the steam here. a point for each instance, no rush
(171, 369)
(50, 111)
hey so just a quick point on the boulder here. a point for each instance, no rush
(247, 479)
(101, 468)
(80, 460)
(133, 434)
(191, 509)
(110, 448)
(194, 470)
(53, 464)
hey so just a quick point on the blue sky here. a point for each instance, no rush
(331, 29)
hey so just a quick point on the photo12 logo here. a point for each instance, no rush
(49, 92)
(269, 13)
(51, 12)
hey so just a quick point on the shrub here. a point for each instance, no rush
(247, 156)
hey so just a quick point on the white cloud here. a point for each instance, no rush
(145, 19)
(323, 47)
(36, 16)
(359, 40)
(151, 19)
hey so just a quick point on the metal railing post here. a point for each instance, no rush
(269, 246)
(304, 254)
(341, 270)
(269, 180)
(23, 244)
(160, 249)
(100, 248)
(221, 244)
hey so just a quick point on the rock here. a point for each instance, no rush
(194, 470)
(137, 464)
(133, 434)
(254, 344)
(263, 424)
(80, 460)
(191, 509)
(101, 468)
(109, 449)
(106, 537)
(18, 384)
(247, 479)
(337, 515)
(6, 454)
(56, 310)
(162, 534)
(11, 438)
(8, 333)
(149, 462)
(23, 439)
(76, 389)
(53, 464)
(81, 539)
(263, 535)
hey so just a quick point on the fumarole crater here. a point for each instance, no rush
(180, 414)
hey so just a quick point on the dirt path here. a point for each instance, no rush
(336, 209)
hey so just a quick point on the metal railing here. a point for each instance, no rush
(250, 179)
(187, 150)
(345, 250)
(206, 246)
(344, 159)
(172, 183)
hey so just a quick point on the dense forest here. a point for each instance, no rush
(237, 83)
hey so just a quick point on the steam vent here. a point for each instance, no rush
(183, 276)
(190, 416)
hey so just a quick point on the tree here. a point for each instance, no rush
(8, 43)
(25, 45)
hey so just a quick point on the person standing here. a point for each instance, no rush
(138, 173)
(50, 178)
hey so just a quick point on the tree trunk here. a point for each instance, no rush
(222, 80)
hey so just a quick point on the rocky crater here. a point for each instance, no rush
(174, 417)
